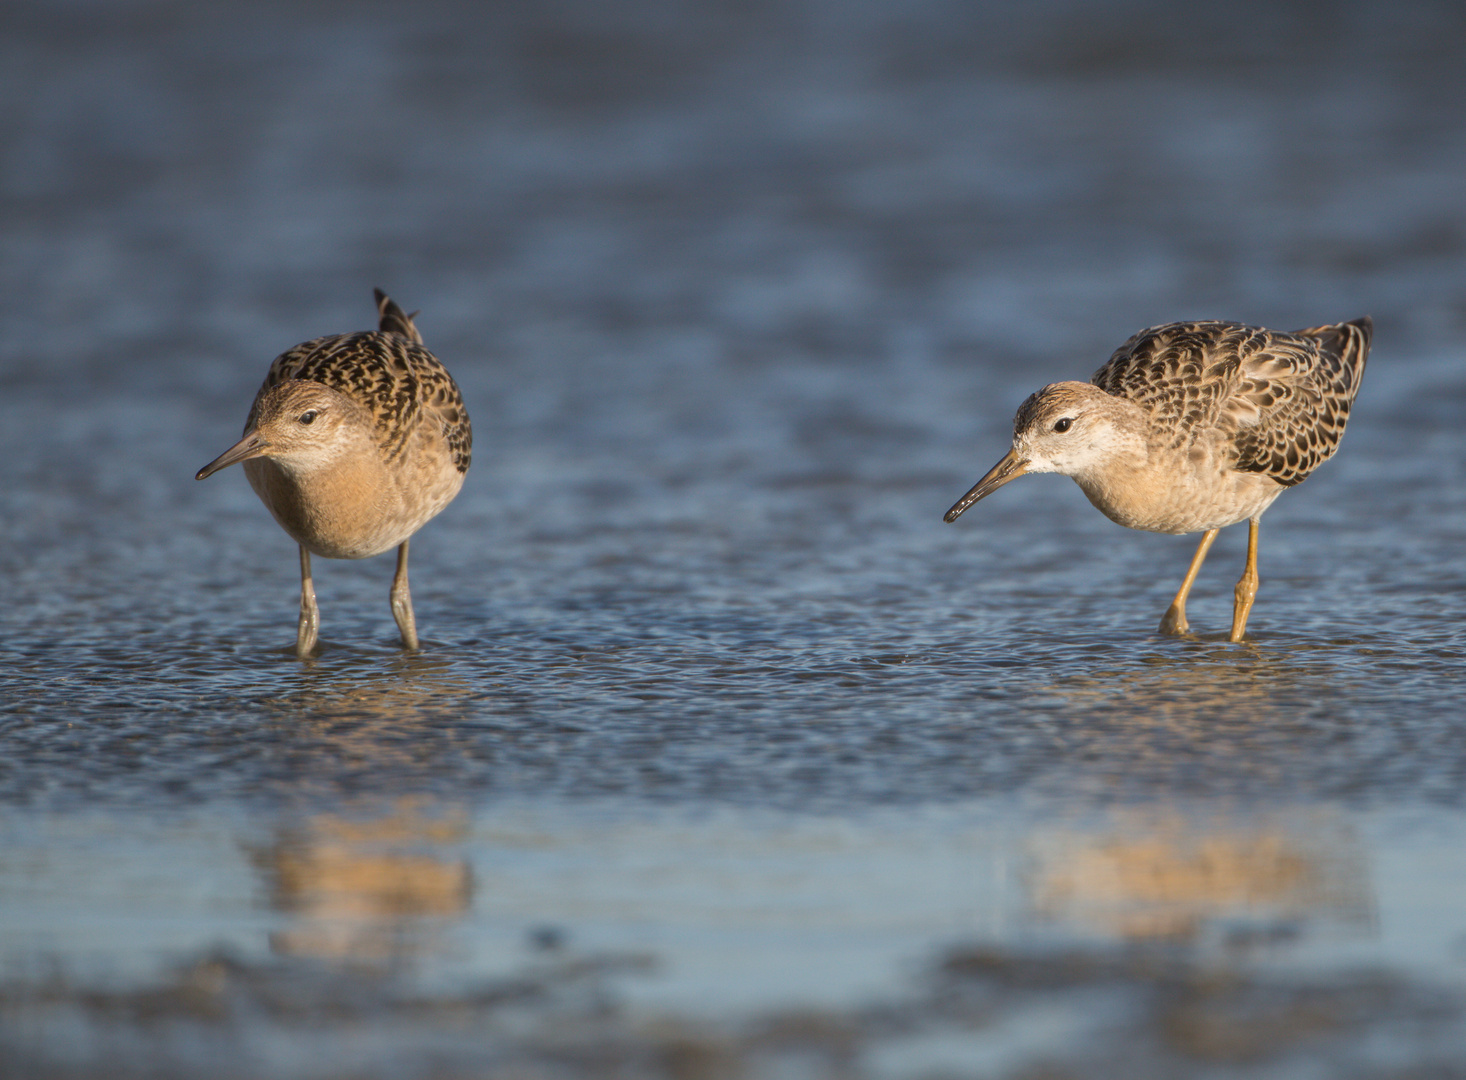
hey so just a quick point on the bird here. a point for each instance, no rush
(1191, 427)
(353, 443)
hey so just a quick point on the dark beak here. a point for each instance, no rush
(248, 447)
(1010, 468)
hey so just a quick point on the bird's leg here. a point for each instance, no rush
(1174, 620)
(310, 615)
(1246, 590)
(402, 600)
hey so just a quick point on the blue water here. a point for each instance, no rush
(723, 751)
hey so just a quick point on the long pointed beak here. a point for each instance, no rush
(1010, 468)
(251, 446)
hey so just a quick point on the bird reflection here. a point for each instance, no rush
(1198, 684)
(359, 715)
(378, 886)
(1199, 721)
(1158, 875)
(373, 890)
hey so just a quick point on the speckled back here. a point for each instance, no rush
(390, 373)
(1282, 399)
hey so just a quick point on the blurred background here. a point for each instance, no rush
(724, 756)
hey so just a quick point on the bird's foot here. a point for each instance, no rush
(1174, 622)
(1245, 593)
(402, 612)
(307, 631)
(401, 596)
(307, 634)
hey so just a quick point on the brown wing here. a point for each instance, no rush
(1295, 397)
(1282, 399)
(1183, 374)
(390, 373)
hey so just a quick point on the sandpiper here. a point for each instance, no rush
(1191, 427)
(354, 442)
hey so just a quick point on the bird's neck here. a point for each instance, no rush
(1119, 477)
(341, 507)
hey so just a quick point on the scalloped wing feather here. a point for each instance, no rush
(1280, 399)
(388, 372)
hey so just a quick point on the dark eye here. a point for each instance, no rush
(309, 416)
(1063, 425)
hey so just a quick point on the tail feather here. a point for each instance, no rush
(1348, 345)
(393, 320)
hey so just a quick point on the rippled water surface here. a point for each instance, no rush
(724, 756)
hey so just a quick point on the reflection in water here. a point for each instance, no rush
(1202, 718)
(368, 890)
(1156, 875)
(360, 684)
(1202, 684)
(373, 888)
(358, 714)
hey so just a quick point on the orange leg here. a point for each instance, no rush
(1246, 590)
(308, 631)
(1174, 620)
(402, 600)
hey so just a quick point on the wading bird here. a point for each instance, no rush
(1191, 427)
(354, 442)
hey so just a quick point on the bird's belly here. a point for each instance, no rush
(1184, 503)
(341, 517)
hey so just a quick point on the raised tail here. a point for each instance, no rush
(393, 320)
(1344, 347)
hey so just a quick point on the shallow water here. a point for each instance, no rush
(724, 755)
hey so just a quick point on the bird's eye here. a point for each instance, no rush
(309, 416)
(1063, 425)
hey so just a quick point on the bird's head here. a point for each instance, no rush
(1068, 427)
(302, 425)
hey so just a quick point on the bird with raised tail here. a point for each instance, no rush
(1191, 427)
(354, 442)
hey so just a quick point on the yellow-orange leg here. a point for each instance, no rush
(1174, 620)
(310, 615)
(402, 600)
(1246, 590)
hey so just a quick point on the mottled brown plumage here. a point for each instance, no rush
(354, 442)
(1282, 398)
(389, 373)
(1192, 427)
